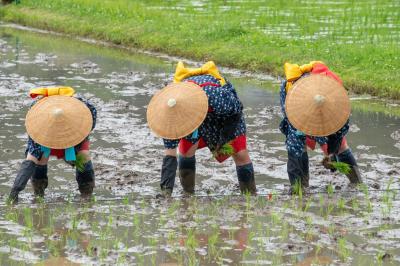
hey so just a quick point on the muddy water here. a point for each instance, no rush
(344, 228)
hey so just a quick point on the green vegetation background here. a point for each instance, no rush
(358, 39)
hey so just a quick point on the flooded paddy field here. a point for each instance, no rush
(128, 224)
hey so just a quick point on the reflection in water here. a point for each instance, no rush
(206, 231)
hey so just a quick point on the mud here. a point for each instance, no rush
(350, 227)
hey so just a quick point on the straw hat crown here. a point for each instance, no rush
(177, 110)
(59, 122)
(317, 105)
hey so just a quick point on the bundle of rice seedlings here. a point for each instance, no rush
(80, 162)
(343, 168)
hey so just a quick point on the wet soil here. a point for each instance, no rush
(129, 225)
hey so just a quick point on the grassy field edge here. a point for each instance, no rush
(166, 43)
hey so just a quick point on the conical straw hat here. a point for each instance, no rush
(59, 122)
(177, 110)
(318, 105)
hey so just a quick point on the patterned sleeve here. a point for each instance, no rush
(171, 143)
(92, 109)
(224, 100)
(335, 140)
(321, 140)
(33, 149)
(344, 130)
(282, 94)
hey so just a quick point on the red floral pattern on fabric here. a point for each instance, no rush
(238, 144)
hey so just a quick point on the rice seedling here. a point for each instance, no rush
(330, 190)
(387, 198)
(212, 241)
(383, 257)
(12, 215)
(298, 189)
(355, 204)
(121, 260)
(308, 234)
(341, 167)
(341, 205)
(277, 259)
(125, 200)
(261, 222)
(329, 209)
(317, 249)
(285, 231)
(344, 251)
(307, 205)
(275, 218)
(321, 204)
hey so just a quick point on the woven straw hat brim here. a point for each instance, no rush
(59, 122)
(177, 110)
(318, 105)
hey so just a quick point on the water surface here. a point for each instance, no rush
(344, 228)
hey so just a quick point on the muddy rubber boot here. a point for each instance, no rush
(354, 175)
(305, 179)
(187, 173)
(298, 172)
(246, 179)
(85, 179)
(39, 180)
(25, 172)
(168, 174)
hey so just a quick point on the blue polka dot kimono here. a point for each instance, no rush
(223, 102)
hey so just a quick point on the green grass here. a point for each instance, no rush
(357, 39)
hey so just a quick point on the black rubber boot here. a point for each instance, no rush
(86, 180)
(298, 171)
(187, 173)
(24, 174)
(354, 175)
(39, 180)
(246, 179)
(168, 174)
(305, 180)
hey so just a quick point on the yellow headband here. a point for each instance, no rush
(293, 71)
(208, 68)
(67, 91)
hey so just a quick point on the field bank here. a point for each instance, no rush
(357, 39)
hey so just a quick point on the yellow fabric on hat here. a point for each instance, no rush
(66, 91)
(293, 72)
(208, 68)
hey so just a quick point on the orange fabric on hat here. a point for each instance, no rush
(322, 69)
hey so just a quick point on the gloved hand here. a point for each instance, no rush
(327, 162)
